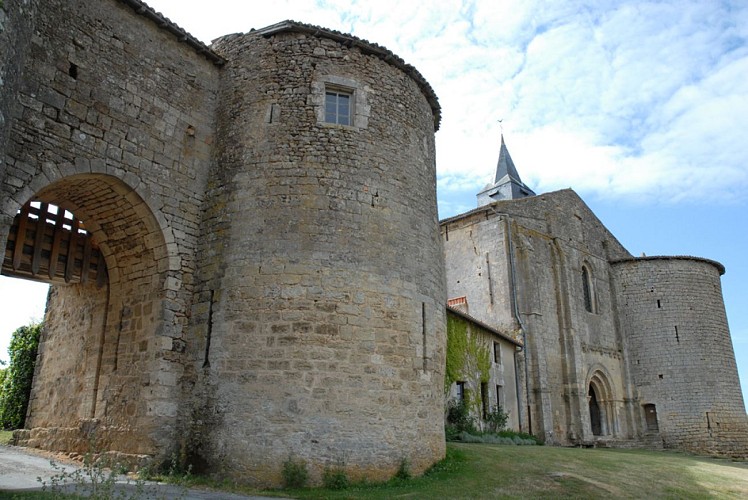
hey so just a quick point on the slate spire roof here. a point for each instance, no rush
(505, 165)
(507, 183)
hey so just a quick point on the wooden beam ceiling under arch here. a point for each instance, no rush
(47, 243)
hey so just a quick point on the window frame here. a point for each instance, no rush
(588, 289)
(359, 109)
(500, 395)
(338, 92)
(461, 390)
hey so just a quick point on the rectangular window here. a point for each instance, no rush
(460, 391)
(338, 106)
(497, 353)
(484, 399)
(500, 396)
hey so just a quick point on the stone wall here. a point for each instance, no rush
(681, 354)
(537, 247)
(67, 367)
(115, 122)
(321, 307)
(17, 21)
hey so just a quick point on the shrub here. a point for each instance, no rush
(403, 472)
(16, 387)
(458, 418)
(335, 478)
(466, 437)
(496, 419)
(295, 474)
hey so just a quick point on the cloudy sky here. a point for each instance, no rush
(641, 107)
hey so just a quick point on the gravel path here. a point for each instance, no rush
(20, 468)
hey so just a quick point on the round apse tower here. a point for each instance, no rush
(682, 361)
(327, 312)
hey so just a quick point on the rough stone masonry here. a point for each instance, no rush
(274, 279)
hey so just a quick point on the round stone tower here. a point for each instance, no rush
(681, 355)
(322, 303)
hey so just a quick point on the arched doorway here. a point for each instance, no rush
(100, 372)
(594, 407)
(600, 402)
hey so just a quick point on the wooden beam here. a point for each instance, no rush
(41, 224)
(86, 259)
(72, 249)
(20, 237)
(54, 254)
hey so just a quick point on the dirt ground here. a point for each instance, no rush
(20, 469)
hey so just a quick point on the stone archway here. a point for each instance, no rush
(102, 373)
(600, 401)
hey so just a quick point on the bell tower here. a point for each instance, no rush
(506, 185)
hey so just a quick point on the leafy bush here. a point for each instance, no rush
(335, 478)
(16, 386)
(295, 474)
(458, 418)
(496, 419)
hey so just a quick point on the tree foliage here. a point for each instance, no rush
(16, 384)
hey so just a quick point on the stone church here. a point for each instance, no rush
(246, 265)
(618, 350)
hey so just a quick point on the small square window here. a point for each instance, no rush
(338, 106)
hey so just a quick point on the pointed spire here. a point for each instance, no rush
(507, 183)
(505, 166)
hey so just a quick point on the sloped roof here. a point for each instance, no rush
(483, 325)
(164, 23)
(718, 265)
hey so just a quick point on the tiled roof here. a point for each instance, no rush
(483, 325)
(164, 23)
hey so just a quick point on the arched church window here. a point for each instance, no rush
(587, 290)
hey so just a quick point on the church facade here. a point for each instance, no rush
(618, 350)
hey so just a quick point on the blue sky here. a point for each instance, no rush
(640, 107)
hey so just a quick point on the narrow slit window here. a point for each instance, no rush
(338, 106)
(587, 289)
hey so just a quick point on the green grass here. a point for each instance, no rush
(5, 436)
(497, 471)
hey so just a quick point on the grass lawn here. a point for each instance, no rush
(501, 471)
(496, 471)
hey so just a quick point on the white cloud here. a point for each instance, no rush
(635, 99)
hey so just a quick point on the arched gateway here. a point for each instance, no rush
(266, 213)
(101, 376)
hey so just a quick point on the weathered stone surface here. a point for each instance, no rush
(682, 361)
(267, 271)
(522, 265)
